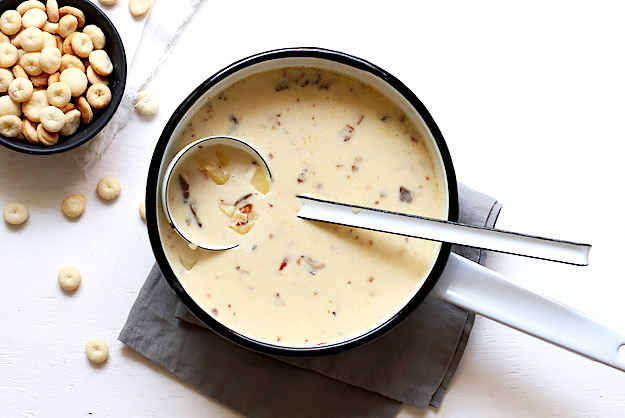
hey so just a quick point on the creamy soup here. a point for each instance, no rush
(293, 282)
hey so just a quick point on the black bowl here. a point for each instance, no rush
(117, 82)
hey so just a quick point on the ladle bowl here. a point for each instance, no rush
(180, 158)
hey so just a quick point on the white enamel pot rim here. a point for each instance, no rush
(452, 278)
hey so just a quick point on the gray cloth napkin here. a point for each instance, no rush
(414, 363)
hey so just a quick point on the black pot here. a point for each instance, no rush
(260, 62)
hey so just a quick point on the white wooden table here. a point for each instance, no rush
(530, 98)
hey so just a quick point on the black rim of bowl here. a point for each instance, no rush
(151, 202)
(115, 49)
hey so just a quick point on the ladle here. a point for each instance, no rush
(391, 222)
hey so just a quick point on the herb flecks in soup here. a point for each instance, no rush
(294, 282)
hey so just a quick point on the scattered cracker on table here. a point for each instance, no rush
(15, 213)
(97, 350)
(74, 205)
(69, 277)
(139, 8)
(146, 103)
(142, 210)
(109, 188)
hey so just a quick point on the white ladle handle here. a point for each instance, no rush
(444, 231)
(475, 288)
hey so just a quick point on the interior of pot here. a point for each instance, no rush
(387, 85)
